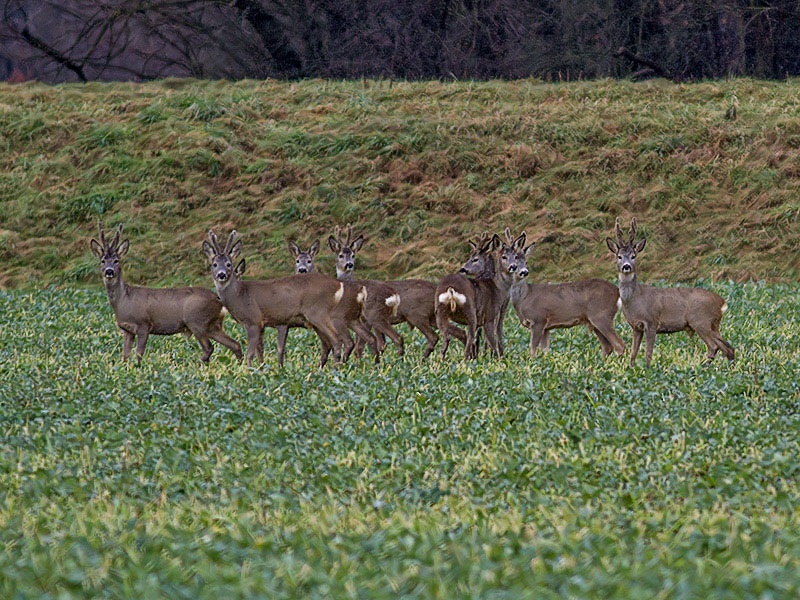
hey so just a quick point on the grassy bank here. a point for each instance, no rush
(419, 166)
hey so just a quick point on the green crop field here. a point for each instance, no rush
(566, 477)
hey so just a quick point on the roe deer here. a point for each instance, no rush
(382, 301)
(141, 311)
(309, 298)
(650, 310)
(479, 301)
(346, 315)
(545, 306)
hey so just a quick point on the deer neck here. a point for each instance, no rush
(228, 289)
(503, 280)
(344, 275)
(628, 285)
(116, 290)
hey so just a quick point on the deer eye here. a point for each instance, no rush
(228, 265)
(633, 256)
(619, 256)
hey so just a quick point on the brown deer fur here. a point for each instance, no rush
(650, 310)
(309, 298)
(141, 311)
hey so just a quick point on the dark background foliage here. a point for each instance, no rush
(73, 40)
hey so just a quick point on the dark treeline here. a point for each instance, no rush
(81, 40)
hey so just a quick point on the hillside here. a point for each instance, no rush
(418, 167)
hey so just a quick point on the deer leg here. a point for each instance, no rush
(364, 336)
(443, 324)
(605, 345)
(127, 344)
(206, 346)
(650, 340)
(637, 341)
(345, 340)
(384, 328)
(223, 338)
(491, 340)
(255, 335)
(499, 329)
(471, 347)
(544, 344)
(726, 348)
(606, 327)
(283, 332)
(431, 336)
(537, 333)
(141, 342)
(327, 334)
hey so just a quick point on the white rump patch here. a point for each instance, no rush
(724, 306)
(339, 293)
(619, 303)
(452, 297)
(361, 297)
(393, 301)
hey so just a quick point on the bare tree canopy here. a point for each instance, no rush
(81, 40)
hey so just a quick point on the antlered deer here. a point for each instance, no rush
(382, 301)
(346, 315)
(309, 298)
(479, 301)
(650, 310)
(542, 307)
(141, 311)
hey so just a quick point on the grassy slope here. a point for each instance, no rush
(567, 477)
(418, 165)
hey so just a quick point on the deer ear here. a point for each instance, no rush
(519, 243)
(334, 244)
(472, 246)
(640, 245)
(493, 244)
(357, 243)
(312, 252)
(529, 249)
(123, 249)
(97, 249)
(612, 245)
(293, 249)
(239, 269)
(208, 250)
(236, 250)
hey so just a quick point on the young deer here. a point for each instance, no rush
(479, 301)
(542, 307)
(650, 310)
(309, 298)
(346, 315)
(141, 311)
(382, 301)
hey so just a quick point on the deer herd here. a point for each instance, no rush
(477, 296)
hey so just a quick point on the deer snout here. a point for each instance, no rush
(523, 273)
(109, 273)
(462, 270)
(348, 266)
(626, 268)
(302, 270)
(222, 275)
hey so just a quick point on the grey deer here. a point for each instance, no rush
(416, 306)
(347, 314)
(650, 310)
(257, 304)
(545, 306)
(382, 301)
(479, 301)
(141, 312)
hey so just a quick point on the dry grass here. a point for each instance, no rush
(419, 166)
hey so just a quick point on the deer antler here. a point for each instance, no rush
(633, 230)
(115, 242)
(337, 234)
(618, 230)
(212, 239)
(349, 234)
(231, 240)
(102, 235)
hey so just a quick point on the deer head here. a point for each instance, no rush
(110, 253)
(345, 249)
(221, 259)
(303, 260)
(626, 251)
(480, 261)
(512, 254)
